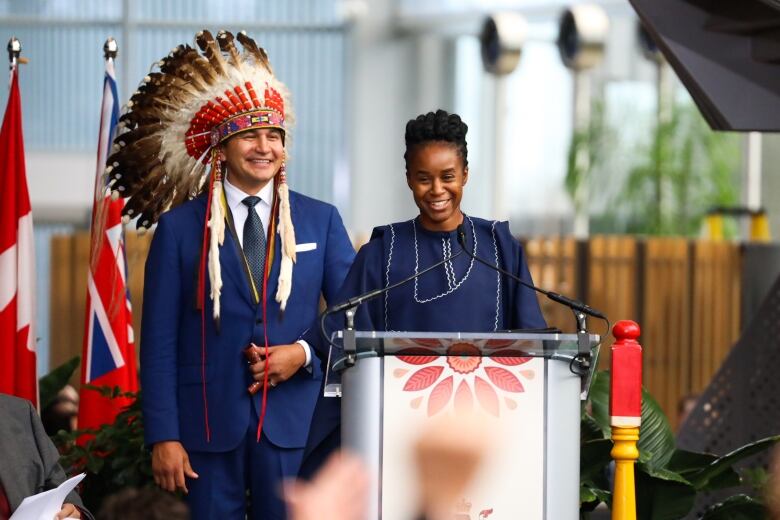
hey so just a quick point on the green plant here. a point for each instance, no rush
(667, 479)
(586, 154)
(683, 171)
(114, 456)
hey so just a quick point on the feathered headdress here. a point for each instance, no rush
(166, 150)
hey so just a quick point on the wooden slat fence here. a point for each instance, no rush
(685, 295)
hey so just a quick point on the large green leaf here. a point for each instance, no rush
(662, 474)
(688, 462)
(662, 499)
(51, 384)
(656, 439)
(738, 507)
(703, 479)
(598, 402)
(590, 430)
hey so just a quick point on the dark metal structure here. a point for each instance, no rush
(726, 52)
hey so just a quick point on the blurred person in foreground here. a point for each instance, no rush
(461, 295)
(339, 491)
(29, 462)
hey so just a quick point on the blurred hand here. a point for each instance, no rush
(170, 464)
(68, 511)
(338, 492)
(283, 362)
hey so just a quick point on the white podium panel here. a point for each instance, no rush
(530, 402)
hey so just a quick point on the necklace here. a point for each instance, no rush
(446, 246)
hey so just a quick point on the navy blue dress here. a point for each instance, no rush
(461, 295)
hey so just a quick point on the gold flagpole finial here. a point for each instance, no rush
(110, 48)
(14, 50)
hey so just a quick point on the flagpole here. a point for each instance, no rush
(14, 50)
(110, 49)
(108, 350)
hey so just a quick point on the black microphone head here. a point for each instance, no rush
(462, 236)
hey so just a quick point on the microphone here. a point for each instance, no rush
(559, 298)
(357, 300)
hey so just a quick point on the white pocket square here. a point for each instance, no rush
(309, 246)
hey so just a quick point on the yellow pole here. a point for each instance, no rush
(625, 453)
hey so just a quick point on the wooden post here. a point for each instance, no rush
(625, 414)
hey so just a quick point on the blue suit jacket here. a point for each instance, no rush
(172, 369)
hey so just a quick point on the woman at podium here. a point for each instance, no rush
(461, 294)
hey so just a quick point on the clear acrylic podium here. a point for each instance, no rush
(527, 385)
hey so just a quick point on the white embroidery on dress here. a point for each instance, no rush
(387, 275)
(498, 275)
(452, 286)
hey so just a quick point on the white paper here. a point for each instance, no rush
(44, 506)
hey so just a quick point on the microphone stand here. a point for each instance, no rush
(350, 307)
(580, 365)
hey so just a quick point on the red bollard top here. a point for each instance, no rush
(625, 393)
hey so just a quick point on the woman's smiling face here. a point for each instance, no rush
(436, 176)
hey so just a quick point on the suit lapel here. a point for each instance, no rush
(232, 260)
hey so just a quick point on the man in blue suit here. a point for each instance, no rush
(271, 254)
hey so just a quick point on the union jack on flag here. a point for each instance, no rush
(108, 357)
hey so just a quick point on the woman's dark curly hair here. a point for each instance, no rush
(437, 126)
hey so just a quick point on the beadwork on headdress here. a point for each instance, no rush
(166, 150)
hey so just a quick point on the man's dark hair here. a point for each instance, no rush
(437, 126)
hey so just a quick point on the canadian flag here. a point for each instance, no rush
(17, 259)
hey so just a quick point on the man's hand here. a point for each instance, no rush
(283, 362)
(170, 464)
(68, 511)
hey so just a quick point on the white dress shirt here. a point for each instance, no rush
(240, 211)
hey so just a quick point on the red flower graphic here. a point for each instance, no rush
(463, 358)
(469, 378)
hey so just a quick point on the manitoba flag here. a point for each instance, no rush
(17, 260)
(108, 352)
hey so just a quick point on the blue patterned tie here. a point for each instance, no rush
(254, 242)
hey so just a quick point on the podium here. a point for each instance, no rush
(528, 387)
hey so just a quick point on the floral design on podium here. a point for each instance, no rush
(463, 377)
